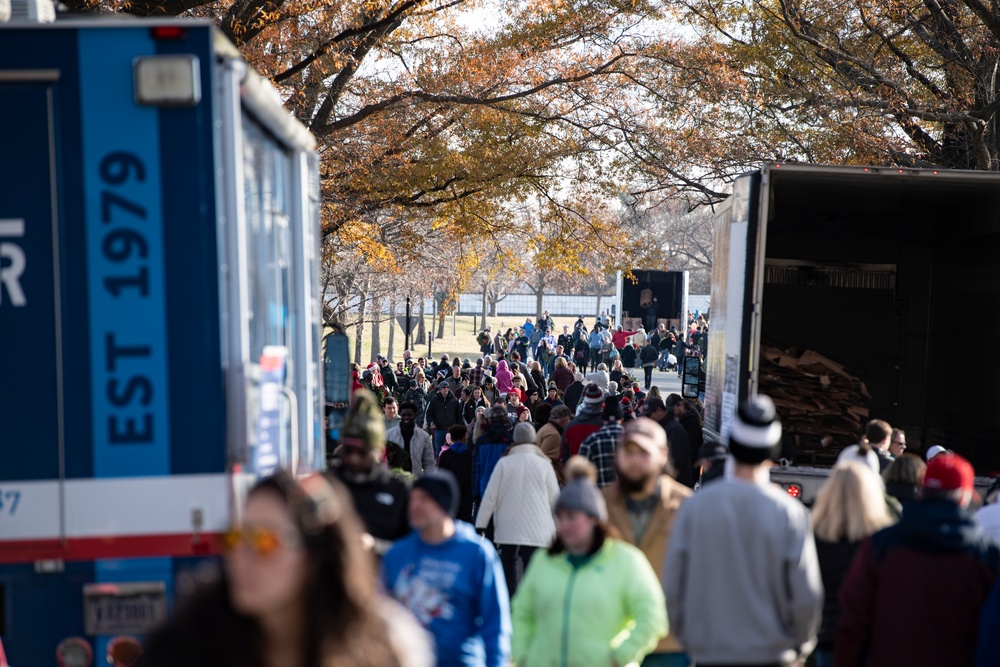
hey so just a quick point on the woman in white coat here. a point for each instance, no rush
(519, 498)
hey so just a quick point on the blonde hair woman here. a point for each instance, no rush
(850, 507)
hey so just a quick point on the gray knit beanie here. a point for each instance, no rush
(524, 434)
(581, 493)
(583, 496)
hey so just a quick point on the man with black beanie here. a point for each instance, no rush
(754, 575)
(450, 578)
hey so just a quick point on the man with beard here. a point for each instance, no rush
(410, 448)
(380, 497)
(642, 505)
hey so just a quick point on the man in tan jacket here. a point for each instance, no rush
(549, 437)
(642, 506)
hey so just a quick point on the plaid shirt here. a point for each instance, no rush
(599, 448)
(476, 376)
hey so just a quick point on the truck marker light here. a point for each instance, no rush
(794, 490)
(168, 32)
(167, 81)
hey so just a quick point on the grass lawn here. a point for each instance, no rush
(462, 342)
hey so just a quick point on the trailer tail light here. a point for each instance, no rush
(74, 652)
(124, 651)
(167, 80)
(794, 490)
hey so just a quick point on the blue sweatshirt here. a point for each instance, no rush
(457, 590)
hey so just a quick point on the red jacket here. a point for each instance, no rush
(588, 421)
(618, 338)
(914, 592)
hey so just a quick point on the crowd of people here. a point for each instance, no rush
(533, 363)
(595, 528)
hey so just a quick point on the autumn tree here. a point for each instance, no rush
(887, 82)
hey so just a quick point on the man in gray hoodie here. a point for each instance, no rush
(741, 576)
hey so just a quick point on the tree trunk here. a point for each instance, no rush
(599, 295)
(440, 313)
(392, 326)
(486, 288)
(376, 326)
(494, 299)
(359, 332)
(421, 336)
(539, 295)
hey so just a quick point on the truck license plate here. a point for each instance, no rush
(128, 608)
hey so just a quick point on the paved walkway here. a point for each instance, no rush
(669, 382)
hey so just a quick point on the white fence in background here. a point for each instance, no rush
(523, 305)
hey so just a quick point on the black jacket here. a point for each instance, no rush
(680, 452)
(834, 562)
(648, 355)
(389, 378)
(458, 459)
(572, 395)
(444, 413)
(381, 501)
(628, 356)
(696, 438)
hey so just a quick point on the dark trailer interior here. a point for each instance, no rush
(897, 277)
(666, 286)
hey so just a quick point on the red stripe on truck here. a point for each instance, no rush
(121, 546)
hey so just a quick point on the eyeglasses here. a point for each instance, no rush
(261, 540)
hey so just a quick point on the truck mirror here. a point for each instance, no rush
(690, 376)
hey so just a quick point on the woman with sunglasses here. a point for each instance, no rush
(298, 589)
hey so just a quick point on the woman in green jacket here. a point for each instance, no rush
(591, 600)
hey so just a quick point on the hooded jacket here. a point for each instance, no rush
(519, 497)
(914, 592)
(505, 379)
(606, 611)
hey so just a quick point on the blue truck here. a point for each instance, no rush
(159, 318)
